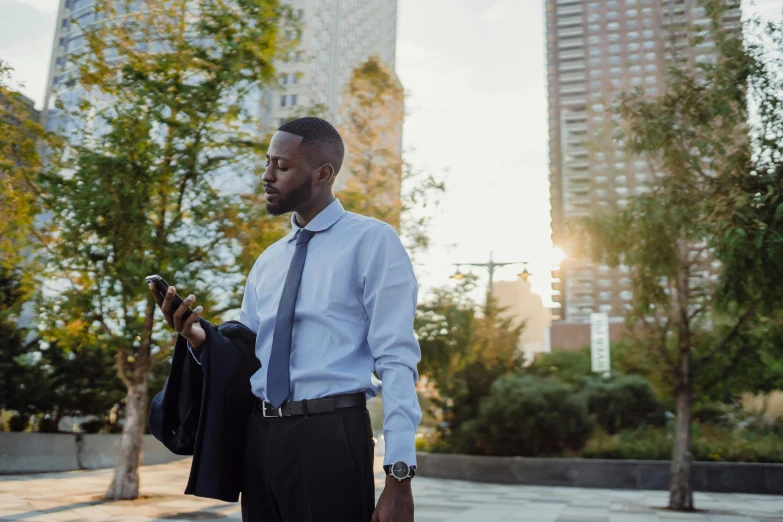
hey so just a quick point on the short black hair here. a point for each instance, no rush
(318, 134)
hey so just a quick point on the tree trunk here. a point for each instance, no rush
(125, 483)
(680, 493)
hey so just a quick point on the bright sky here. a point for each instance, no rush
(476, 76)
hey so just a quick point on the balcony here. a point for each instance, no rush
(569, 10)
(571, 20)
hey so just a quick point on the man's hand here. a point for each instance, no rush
(395, 503)
(190, 329)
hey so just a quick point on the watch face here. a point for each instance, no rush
(400, 470)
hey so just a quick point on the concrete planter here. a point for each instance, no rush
(45, 452)
(724, 477)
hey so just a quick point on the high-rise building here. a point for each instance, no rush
(596, 50)
(337, 35)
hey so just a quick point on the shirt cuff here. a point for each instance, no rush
(400, 447)
(195, 355)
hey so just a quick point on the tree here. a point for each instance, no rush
(20, 196)
(464, 350)
(719, 199)
(375, 179)
(166, 124)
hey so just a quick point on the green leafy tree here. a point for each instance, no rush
(719, 199)
(465, 348)
(165, 129)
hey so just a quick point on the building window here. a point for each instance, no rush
(594, 39)
(647, 33)
(596, 86)
(636, 81)
(592, 6)
(613, 37)
(650, 80)
(293, 99)
(612, 15)
(595, 51)
(282, 100)
(595, 62)
(649, 45)
(614, 60)
(615, 71)
(650, 57)
(650, 67)
(633, 35)
(630, 13)
(594, 28)
(635, 68)
(594, 17)
(596, 73)
(633, 58)
(605, 282)
(614, 49)
(614, 26)
(634, 46)
(632, 24)
(606, 308)
(652, 91)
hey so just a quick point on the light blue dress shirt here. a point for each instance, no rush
(354, 314)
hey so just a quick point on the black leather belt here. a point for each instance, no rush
(311, 407)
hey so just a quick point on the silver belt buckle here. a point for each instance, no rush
(279, 412)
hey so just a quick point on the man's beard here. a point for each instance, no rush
(293, 199)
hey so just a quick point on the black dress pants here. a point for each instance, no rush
(317, 468)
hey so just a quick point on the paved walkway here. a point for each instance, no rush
(76, 496)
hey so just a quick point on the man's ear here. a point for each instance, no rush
(326, 173)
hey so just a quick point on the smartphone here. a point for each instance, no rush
(162, 287)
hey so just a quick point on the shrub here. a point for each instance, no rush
(18, 422)
(527, 415)
(622, 403)
(569, 366)
(92, 426)
(646, 443)
(47, 425)
(709, 444)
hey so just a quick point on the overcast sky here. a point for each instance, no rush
(475, 72)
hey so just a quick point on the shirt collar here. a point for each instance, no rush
(325, 219)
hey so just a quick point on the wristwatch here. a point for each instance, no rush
(400, 470)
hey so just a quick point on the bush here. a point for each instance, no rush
(709, 444)
(47, 425)
(18, 422)
(527, 415)
(92, 426)
(569, 366)
(642, 444)
(622, 403)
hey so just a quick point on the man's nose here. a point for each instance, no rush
(268, 175)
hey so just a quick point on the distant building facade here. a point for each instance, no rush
(523, 305)
(597, 49)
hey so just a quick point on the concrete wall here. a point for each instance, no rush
(43, 452)
(724, 477)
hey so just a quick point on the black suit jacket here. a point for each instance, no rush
(203, 409)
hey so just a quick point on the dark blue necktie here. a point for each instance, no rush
(278, 382)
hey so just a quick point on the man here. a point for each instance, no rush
(330, 303)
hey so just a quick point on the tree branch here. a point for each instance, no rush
(732, 334)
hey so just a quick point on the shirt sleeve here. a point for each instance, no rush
(247, 314)
(389, 294)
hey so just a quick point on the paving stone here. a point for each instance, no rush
(77, 497)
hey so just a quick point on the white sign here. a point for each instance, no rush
(599, 342)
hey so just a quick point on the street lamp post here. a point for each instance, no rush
(491, 266)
